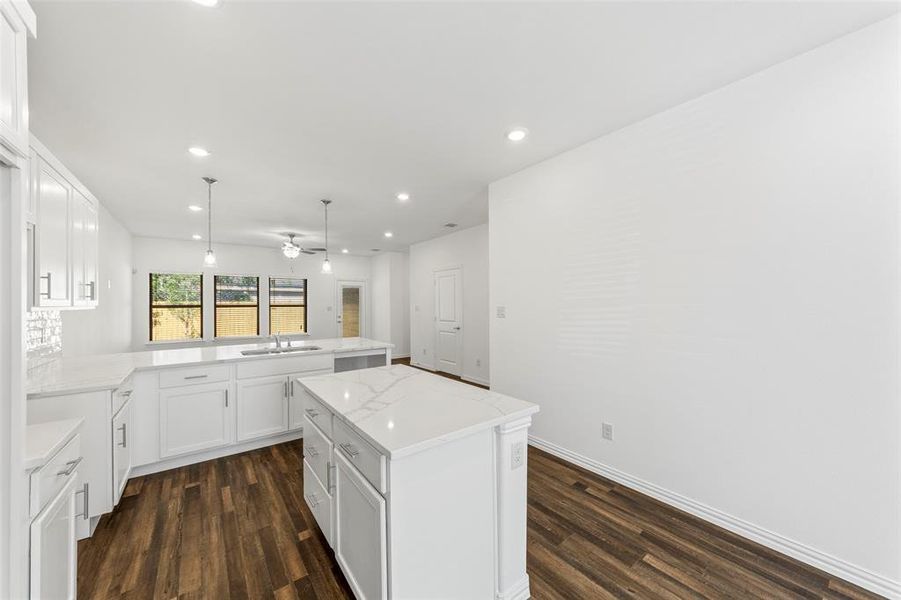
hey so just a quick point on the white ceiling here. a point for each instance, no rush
(358, 101)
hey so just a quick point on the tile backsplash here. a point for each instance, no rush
(43, 336)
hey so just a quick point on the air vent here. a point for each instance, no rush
(450, 225)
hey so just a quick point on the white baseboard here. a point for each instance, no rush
(874, 582)
(477, 380)
(190, 459)
(414, 363)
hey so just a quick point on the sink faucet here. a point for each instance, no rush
(278, 339)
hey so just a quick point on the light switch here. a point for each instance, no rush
(501, 312)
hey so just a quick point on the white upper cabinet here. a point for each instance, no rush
(66, 235)
(15, 20)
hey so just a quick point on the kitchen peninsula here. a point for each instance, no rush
(418, 483)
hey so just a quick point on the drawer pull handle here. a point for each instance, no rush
(328, 477)
(313, 500)
(312, 412)
(196, 376)
(72, 465)
(312, 451)
(125, 394)
(349, 450)
(84, 490)
(124, 430)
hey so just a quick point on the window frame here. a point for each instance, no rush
(306, 292)
(216, 310)
(151, 306)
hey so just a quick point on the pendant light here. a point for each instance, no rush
(326, 265)
(210, 259)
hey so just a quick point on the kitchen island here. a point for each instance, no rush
(418, 483)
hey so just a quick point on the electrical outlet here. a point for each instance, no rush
(423, 352)
(478, 362)
(501, 312)
(607, 431)
(517, 455)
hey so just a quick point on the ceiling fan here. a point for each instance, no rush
(292, 250)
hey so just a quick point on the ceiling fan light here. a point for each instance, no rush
(290, 250)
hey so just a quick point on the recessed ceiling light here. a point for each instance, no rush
(344, 250)
(207, 3)
(403, 196)
(196, 151)
(389, 234)
(197, 236)
(517, 135)
(195, 208)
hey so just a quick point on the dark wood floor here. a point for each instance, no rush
(406, 361)
(237, 527)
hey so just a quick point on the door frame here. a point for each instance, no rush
(363, 284)
(436, 366)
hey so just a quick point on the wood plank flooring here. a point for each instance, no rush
(237, 527)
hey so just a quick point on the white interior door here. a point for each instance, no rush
(351, 309)
(449, 321)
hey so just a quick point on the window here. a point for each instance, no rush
(237, 305)
(176, 307)
(287, 305)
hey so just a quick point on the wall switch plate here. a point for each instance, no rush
(517, 455)
(501, 312)
(478, 362)
(607, 431)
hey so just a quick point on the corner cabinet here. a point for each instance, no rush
(66, 229)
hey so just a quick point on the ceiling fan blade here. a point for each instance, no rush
(315, 249)
(307, 252)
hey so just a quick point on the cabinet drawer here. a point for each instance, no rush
(122, 394)
(52, 477)
(315, 411)
(318, 500)
(284, 365)
(193, 375)
(360, 454)
(317, 452)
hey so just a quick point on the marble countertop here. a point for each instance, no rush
(43, 440)
(401, 410)
(108, 371)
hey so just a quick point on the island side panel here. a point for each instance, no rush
(441, 521)
(512, 487)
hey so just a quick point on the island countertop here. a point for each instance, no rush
(401, 410)
(77, 374)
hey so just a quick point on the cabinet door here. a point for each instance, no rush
(360, 532)
(13, 80)
(84, 250)
(121, 450)
(54, 245)
(194, 418)
(53, 550)
(262, 406)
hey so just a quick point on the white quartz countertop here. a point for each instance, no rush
(43, 440)
(401, 410)
(72, 375)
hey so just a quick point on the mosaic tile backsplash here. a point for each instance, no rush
(43, 336)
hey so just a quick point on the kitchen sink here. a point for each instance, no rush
(284, 350)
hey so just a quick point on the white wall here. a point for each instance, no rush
(108, 328)
(721, 283)
(173, 256)
(467, 249)
(390, 301)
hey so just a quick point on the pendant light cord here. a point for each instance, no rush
(209, 222)
(326, 232)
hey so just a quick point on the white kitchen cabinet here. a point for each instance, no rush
(194, 418)
(84, 250)
(262, 406)
(53, 550)
(360, 532)
(122, 454)
(297, 396)
(66, 235)
(14, 77)
(55, 224)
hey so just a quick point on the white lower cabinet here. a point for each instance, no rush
(262, 405)
(194, 418)
(122, 455)
(360, 536)
(319, 501)
(53, 550)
